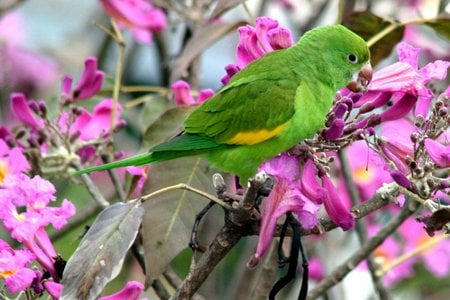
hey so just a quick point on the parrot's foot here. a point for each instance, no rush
(193, 243)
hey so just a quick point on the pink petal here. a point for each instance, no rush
(435, 70)
(131, 291)
(439, 153)
(20, 108)
(248, 49)
(263, 26)
(337, 211)
(398, 77)
(280, 38)
(399, 109)
(408, 54)
(182, 93)
(204, 95)
(309, 185)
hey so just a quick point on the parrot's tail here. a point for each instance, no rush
(180, 146)
(137, 160)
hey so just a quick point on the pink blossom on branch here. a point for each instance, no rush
(255, 42)
(438, 152)
(90, 83)
(406, 82)
(13, 268)
(93, 125)
(26, 213)
(21, 109)
(140, 16)
(182, 95)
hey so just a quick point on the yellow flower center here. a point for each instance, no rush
(3, 170)
(6, 273)
(18, 216)
(363, 175)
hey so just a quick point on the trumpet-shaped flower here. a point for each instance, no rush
(438, 152)
(13, 268)
(255, 42)
(131, 291)
(90, 83)
(181, 91)
(93, 125)
(406, 82)
(21, 109)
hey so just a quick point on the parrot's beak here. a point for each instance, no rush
(361, 79)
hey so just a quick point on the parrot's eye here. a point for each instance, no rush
(352, 58)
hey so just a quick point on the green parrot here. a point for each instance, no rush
(275, 102)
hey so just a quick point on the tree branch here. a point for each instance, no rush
(361, 226)
(341, 271)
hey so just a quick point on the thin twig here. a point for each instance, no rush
(119, 70)
(342, 270)
(361, 228)
(393, 26)
(183, 186)
(422, 248)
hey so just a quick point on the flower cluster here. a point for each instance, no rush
(384, 145)
(26, 214)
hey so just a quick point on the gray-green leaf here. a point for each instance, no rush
(100, 255)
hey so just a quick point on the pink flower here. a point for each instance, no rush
(13, 268)
(27, 225)
(91, 126)
(138, 15)
(89, 85)
(255, 42)
(131, 291)
(21, 109)
(12, 161)
(141, 173)
(438, 152)
(53, 288)
(181, 91)
(397, 145)
(335, 207)
(407, 83)
(285, 197)
(309, 185)
(368, 169)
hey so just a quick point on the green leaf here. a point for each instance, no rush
(440, 25)
(153, 109)
(169, 124)
(100, 255)
(203, 37)
(169, 217)
(367, 25)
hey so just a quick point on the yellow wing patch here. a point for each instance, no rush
(255, 137)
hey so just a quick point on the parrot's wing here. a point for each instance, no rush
(248, 111)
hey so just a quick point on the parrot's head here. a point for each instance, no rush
(344, 55)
